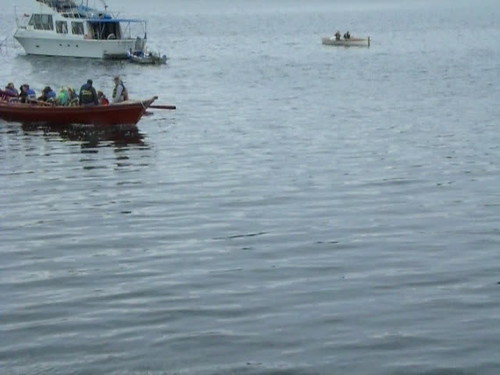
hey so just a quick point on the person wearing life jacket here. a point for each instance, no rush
(48, 95)
(11, 90)
(9, 93)
(27, 94)
(102, 98)
(88, 95)
(63, 97)
(120, 92)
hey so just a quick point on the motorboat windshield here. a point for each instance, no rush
(59, 4)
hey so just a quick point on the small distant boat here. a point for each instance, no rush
(125, 113)
(351, 42)
(65, 28)
(148, 58)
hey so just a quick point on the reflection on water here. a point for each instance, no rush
(89, 136)
(67, 67)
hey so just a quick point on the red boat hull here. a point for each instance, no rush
(126, 113)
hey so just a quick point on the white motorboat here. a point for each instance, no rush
(351, 42)
(65, 28)
(148, 58)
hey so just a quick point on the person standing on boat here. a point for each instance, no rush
(88, 95)
(337, 35)
(120, 92)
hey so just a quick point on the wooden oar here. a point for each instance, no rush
(40, 103)
(162, 106)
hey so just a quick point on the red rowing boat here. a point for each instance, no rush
(125, 113)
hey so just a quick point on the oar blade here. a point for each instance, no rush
(162, 107)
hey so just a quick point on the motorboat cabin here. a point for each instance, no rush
(65, 28)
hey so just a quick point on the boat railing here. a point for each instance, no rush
(69, 9)
(59, 5)
(22, 18)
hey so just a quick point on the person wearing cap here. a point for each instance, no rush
(88, 95)
(120, 92)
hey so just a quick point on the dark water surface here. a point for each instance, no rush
(306, 209)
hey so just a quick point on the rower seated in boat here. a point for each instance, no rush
(27, 95)
(10, 93)
(102, 98)
(11, 90)
(337, 35)
(48, 95)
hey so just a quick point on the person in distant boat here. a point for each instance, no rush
(48, 95)
(120, 92)
(102, 98)
(27, 94)
(347, 35)
(337, 35)
(88, 95)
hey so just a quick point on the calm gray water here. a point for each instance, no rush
(306, 209)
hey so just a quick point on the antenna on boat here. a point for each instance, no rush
(17, 19)
(105, 5)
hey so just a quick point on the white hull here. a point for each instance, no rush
(353, 42)
(64, 28)
(70, 47)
